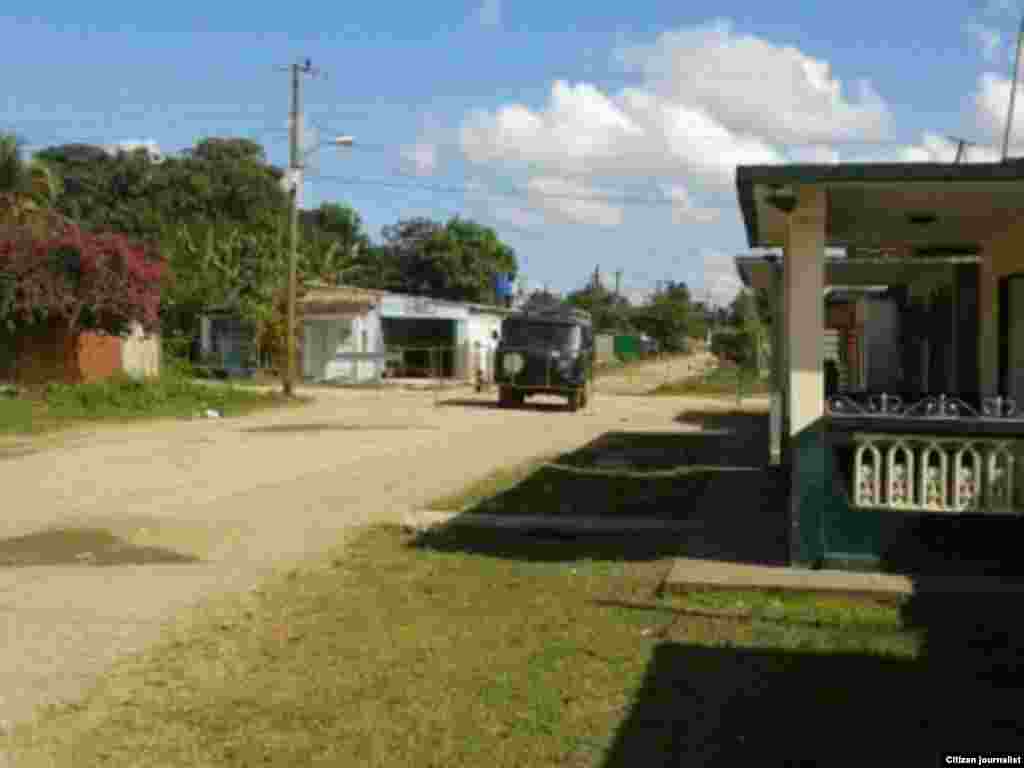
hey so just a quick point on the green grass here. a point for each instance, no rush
(123, 399)
(465, 648)
(721, 381)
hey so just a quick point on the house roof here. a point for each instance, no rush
(756, 271)
(339, 300)
(873, 204)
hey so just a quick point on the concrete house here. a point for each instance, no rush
(362, 335)
(930, 417)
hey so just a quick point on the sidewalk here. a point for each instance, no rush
(689, 575)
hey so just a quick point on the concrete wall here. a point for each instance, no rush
(604, 347)
(140, 354)
(480, 344)
(1003, 255)
(329, 339)
(48, 353)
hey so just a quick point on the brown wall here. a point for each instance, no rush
(841, 316)
(49, 354)
(98, 356)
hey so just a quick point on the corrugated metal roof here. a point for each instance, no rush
(339, 300)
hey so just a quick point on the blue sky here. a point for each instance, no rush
(515, 112)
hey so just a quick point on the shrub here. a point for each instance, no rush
(735, 346)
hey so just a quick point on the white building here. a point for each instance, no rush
(354, 334)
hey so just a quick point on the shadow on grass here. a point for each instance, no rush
(735, 504)
(547, 406)
(704, 706)
(87, 546)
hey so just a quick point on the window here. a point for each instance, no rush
(524, 334)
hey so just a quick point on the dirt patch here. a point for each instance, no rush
(78, 546)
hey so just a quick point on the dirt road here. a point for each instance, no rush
(108, 536)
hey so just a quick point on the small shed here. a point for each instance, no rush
(342, 335)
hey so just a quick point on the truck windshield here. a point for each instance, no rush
(517, 333)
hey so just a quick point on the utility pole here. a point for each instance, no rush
(618, 282)
(295, 164)
(1013, 91)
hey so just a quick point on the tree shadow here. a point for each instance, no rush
(968, 580)
(721, 706)
(732, 511)
(467, 402)
(82, 546)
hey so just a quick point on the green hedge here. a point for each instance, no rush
(736, 346)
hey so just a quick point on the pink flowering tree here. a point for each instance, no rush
(84, 281)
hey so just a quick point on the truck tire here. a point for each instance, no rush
(575, 399)
(507, 398)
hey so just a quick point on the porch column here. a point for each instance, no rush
(804, 312)
(778, 420)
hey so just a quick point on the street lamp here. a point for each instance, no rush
(296, 181)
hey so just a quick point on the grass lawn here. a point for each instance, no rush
(126, 400)
(470, 647)
(718, 383)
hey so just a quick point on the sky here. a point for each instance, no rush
(519, 113)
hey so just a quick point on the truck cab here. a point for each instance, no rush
(545, 353)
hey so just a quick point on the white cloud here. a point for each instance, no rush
(709, 101)
(992, 102)
(706, 99)
(942, 149)
(489, 14)
(684, 210)
(564, 199)
(720, 277)
(819, 154)
(987, 38)
(754, 87)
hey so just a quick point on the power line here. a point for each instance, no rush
(524, 195)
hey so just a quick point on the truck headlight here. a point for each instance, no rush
(512, 363)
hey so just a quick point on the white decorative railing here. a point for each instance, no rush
(938, 474)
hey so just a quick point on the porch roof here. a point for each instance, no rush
(756, 271)
(873, 205)
(339, 300)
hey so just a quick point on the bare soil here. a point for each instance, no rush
(107, 536)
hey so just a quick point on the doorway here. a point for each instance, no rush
(1011, 337)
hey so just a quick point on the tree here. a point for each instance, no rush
(83, 281)
(667, 317)
(28, 188)
(130, 192)
(333, 235)
(608, 311)
(540, 300)
(458, 260)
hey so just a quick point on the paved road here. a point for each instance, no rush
(106, 537)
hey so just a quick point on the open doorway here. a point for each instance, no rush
(424, 347)
(1011, 337)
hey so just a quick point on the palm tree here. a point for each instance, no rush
(28, 188)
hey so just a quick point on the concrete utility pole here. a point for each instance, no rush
(1013, 91)
(295, 163)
